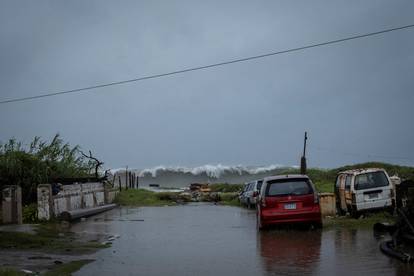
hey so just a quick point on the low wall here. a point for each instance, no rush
(327, 203)
(72, 197)
(11, 205)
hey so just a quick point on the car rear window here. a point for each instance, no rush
(288, 187)
(371, 180)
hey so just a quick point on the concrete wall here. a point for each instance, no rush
(327, 203)
(72, 197)
(11, 205)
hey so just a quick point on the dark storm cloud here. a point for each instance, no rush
(355, 99)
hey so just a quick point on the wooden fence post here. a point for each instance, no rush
(120, 182)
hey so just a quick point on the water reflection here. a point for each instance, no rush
(287, 252)
(219, 240)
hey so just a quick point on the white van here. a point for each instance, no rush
(251, 193)
(363, 189)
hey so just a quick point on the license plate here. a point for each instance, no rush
(370, 196)
(290, 206)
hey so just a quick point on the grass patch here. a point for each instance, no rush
(141, 197)
(225, 187)
(8, 271)
(30, 213)
(367, 221)
(48, 238)
(229, 199)
(324, 187)
(324, 179)
(67, 269)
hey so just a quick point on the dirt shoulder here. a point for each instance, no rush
(45, 249)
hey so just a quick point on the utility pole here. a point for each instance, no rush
(303, 159)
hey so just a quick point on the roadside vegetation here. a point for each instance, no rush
(367, 221)
(59, 270)
(230, 199)
(40, 162)
(226, 188)
(142, 197)
(324, 179)
(48, 237)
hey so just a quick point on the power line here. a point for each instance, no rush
(206, 66)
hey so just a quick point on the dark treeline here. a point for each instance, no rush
(40, 162)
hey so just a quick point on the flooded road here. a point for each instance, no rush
(203, 239)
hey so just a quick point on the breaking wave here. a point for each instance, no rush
(178, 176)
(212, 171)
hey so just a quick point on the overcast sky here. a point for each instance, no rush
(355, 99)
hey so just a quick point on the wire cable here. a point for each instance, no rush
(206, 66)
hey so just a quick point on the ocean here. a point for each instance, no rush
(180, 177)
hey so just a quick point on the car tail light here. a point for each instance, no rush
(315, 198)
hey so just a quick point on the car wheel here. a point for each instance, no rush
(317, 225)
(259, 224)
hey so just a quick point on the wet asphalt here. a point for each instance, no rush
(207, 239)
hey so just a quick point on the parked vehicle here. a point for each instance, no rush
(361, 190)
(252, 193)
(288, 199)
(242, 195)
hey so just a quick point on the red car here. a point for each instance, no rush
(288, 199)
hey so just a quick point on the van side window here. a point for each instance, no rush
(348, 183)
(338, 181)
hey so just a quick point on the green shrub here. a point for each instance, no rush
(166, 196)
(30, 213)
(40, 163)
(225, 187)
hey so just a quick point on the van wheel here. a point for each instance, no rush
(340, 211)
(390, 210)
(354, 213)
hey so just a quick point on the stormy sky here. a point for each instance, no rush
(355, 99)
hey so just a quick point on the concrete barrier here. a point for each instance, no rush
(81, 213)
(72, 197)
(327, 203)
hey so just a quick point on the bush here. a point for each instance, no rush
(225, 187)
(40, 163)
(30, 213)
(166, 196)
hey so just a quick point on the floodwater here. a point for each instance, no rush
(205, 239)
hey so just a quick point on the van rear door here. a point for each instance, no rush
(372, 190)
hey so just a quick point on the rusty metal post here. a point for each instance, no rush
(126, 178)
(303, 159)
